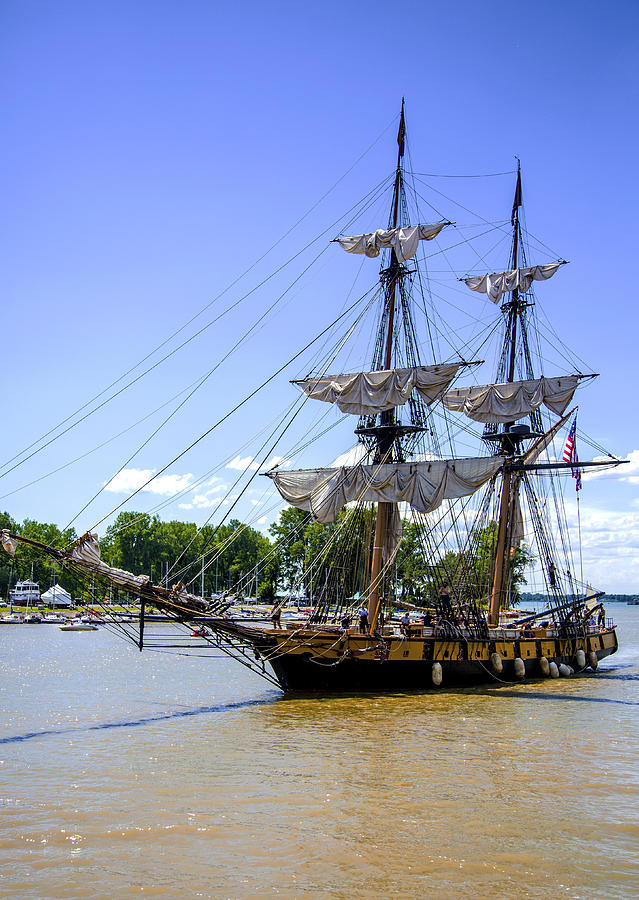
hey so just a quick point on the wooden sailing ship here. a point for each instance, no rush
(453, 633)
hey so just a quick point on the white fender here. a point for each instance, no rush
(592, 660)
(554, 670)
(436, 674)
(564, 670)
(580, 659)
(544, 666)
(495, 661)
(520, 668)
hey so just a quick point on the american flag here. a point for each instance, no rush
(570, 453)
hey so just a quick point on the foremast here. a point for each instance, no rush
(507, 502)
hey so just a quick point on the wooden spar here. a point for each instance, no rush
(500, 555)
(384, 444)
(515, 293)
(394, 261)
(376, 565)
(504, 504)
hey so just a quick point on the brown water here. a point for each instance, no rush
(126, 774)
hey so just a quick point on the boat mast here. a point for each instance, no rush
(508, 446)
(386, 436)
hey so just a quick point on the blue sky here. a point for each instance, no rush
(153, 151)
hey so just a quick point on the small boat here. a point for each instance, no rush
(54, 619)
(33, 619)
(83, 624)
(12, 619)
(25, 593)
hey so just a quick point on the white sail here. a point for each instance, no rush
(86, 553)
(404, 241)
(498, 283)
(8, 543)
(367, 393)
(515, 516)
(511, 400)
(423, 485)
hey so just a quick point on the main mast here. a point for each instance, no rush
(386, 435)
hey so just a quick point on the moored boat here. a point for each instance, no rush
(25, 593)
(78, 626)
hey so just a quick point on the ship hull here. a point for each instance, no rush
(302, 664)
(297, 675)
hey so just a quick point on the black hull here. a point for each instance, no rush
(297, 673)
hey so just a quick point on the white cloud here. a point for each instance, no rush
(129, 480)
(276, 461)
(248, 462)
(202, 501)
(628, 472)
(243, 464)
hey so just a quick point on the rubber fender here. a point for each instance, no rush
(544, 667)
(580, 659)
(554, 670)
(496, 663)
(520, 668)
(565, 671)
(593, 661)
(436, 674)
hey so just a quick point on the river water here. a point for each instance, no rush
(125, 774)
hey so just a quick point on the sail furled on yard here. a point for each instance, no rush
(498, 283)
(85, 553)
(423, 485)
(511, 400)
(404, 240)
(367, 393)
(515, 517)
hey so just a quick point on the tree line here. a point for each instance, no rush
(299, 554)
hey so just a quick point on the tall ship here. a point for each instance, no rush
(471, 523)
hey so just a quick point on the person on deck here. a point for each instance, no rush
(404, 624)
(363, 619)
(444, 600)
(346, 621)
(276, 615)
(601, 619)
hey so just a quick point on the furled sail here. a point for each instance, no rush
(515, 517)
(511, 400)
(404, 241)
(498, 283)
(8, 543)
(423, 485)
(86, 553)
(367, 393)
